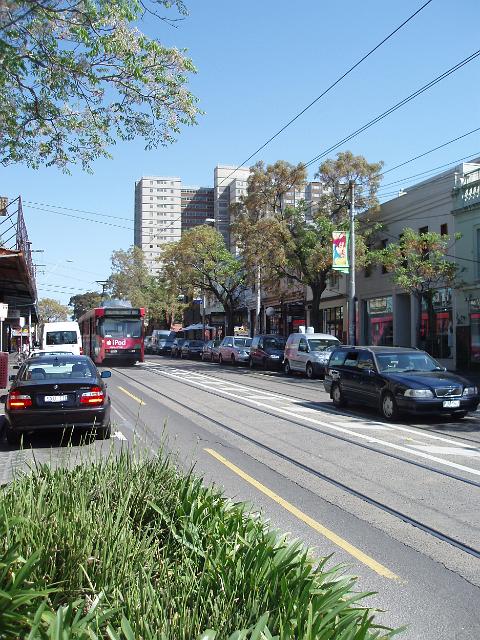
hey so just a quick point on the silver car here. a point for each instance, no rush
(234, 349)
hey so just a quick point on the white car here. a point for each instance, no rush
(308, 353)
(234, 349)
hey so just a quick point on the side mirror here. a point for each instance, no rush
(106, 374)
(3, 399)
(16, 366)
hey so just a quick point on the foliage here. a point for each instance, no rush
(172, 558)
(51, 310)
(77, 76)
(296, 242)
(131, 280)
(420, 264)
(200, 261)
(82, 302)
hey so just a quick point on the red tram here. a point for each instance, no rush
(113, 334)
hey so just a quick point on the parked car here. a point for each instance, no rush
(56, 392)
(36, 353)
(396, 380)
(267, 351)
(176, 347)
(306, 353)
(210, 350)
(192, 349)
(148, 344)
(234, 349)
(162, 341)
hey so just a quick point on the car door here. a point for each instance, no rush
(301, 355)
(253, 349)
(350, 376)
(367, 382)
(226, 348)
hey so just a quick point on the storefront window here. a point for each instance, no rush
(379, 321)
(334, 322)
(475, 331)
(437, 325)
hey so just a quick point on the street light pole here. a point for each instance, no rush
(351, 294)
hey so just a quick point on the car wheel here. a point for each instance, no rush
(251, 363)
(338, 398)
(388, 406)
(460, 415)
(265, 364)
(220, 359)
(13, 437)
(309, 371)
(234, 362)
(103, 433)
(287, 368)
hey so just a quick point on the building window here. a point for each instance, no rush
(444, 229)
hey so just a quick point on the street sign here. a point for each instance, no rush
(3, 311)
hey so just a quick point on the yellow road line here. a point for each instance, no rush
(139, 400)
(330, 535)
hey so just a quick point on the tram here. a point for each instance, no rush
(113, 333)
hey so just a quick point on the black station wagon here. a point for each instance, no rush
(396, 380)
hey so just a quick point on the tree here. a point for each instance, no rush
(52, 311)
(76, 76)
(131, 280)
(82, 302)
(297, 240)
(200, 261)
(420, 264)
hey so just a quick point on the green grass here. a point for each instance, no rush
(135, 548)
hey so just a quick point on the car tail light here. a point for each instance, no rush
(16, 400)
(94, 396)
(81, 351)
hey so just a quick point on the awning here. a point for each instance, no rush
(197, 327)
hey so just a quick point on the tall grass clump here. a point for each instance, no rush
(134, 548)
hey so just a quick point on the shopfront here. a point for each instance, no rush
(475, 332)
(379, 321)
(437, 325)
(333, 322)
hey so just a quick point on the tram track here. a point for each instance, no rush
(330, 410)
(472, 551)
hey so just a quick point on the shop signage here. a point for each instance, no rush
(340, 241)
(3, 311)
(379, 305)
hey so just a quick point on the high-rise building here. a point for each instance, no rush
(158, 216)
(229, 184)
(197, 206)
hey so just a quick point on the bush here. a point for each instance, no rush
(128, 548)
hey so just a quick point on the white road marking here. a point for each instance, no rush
(119, 414)
(455, 451)
(119, 435)
(341, 429)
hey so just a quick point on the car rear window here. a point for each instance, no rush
(243, 342)
(61, 337)
(274, 343)
(319, 344)
(337, 358)
(196, 343)
(58, 368)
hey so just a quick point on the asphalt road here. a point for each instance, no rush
(397, 503)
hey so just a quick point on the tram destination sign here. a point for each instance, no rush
(133, 313)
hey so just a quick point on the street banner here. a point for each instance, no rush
(340, 240)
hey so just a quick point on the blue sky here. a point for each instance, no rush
(258, 64)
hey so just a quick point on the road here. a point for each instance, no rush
(397, 503)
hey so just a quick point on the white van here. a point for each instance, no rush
(62, 336)
(308, 353)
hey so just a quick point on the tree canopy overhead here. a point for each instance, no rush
(77, 75)
(51, 310)
(83, 302)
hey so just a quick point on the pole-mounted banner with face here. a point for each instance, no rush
(340, 241)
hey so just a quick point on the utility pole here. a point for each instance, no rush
(103, 284)
(258, 325)
(352, 318)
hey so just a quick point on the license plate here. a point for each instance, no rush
(56, 398)
(451, 404)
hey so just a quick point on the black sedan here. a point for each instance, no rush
(192, 349)
(177, 345)
(396, 380)
(56, 392)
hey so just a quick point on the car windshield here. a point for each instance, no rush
(55, 354)
(120, 328)
(320, 344)
(274, 343)
(242, 342)
(58, 368)
(61, 337)
(402, 362)
(196, 343)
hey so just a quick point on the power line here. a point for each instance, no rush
(57, 206)
(69, 215)
(396, 106)
(328, 89)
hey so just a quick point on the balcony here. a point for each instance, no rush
(466, 193)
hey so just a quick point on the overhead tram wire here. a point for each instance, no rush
(395, 107)
(69, 215)
(328, 89)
